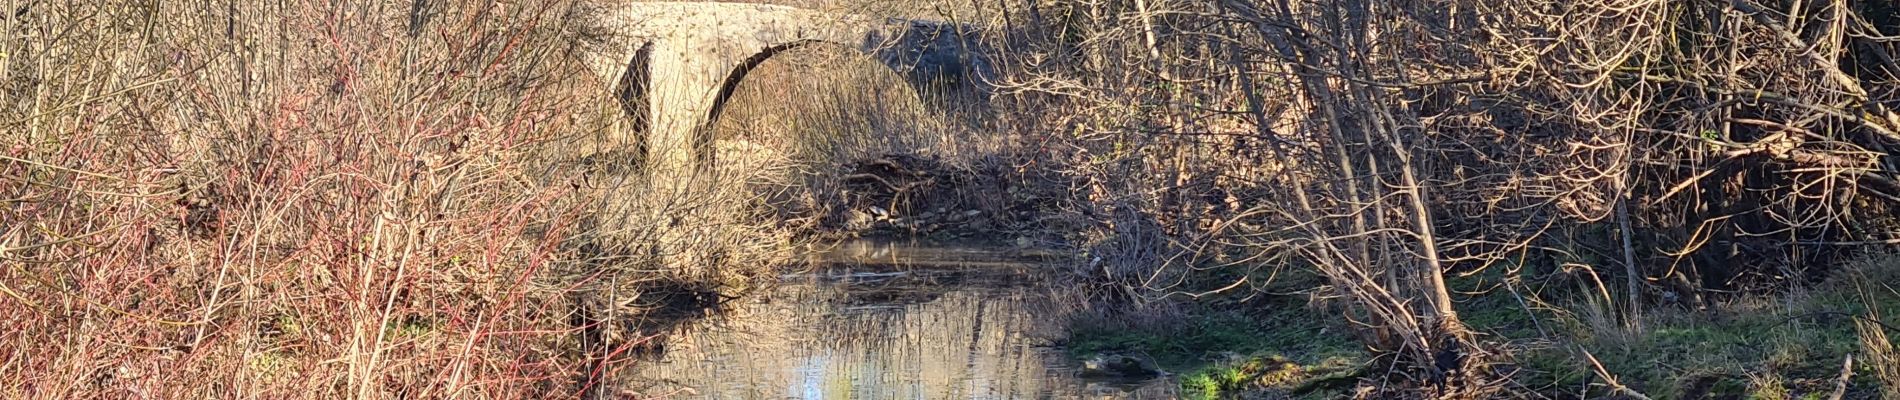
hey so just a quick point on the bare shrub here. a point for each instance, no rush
(319, 199)
(1691, 149)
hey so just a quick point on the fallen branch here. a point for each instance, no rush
(1609, 379)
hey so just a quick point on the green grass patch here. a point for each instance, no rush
(1271, 373)
(1785, 346)
(1218, 352)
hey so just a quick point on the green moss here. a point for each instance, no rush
(1219, 352)
(1213, 381)
(1269, 372)
(269, 363)
(1201, 386)
(288, 325)
(411, 327)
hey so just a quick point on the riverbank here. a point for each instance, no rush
(1280, 342)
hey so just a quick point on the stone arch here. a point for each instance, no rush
(704, 131)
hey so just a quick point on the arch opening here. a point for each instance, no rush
(810, 97)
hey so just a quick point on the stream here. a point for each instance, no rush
(886, 320)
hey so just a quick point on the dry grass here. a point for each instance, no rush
(1878, 353)
(807, 122)
(1873, 290)
(317, 199)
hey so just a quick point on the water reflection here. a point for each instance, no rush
(883, 321)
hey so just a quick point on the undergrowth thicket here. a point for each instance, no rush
(1420, 198)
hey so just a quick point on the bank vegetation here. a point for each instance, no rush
(1602, 169)
(1637, 198)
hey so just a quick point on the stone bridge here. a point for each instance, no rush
(674, 64)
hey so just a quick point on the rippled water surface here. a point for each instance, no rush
(884, 321)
